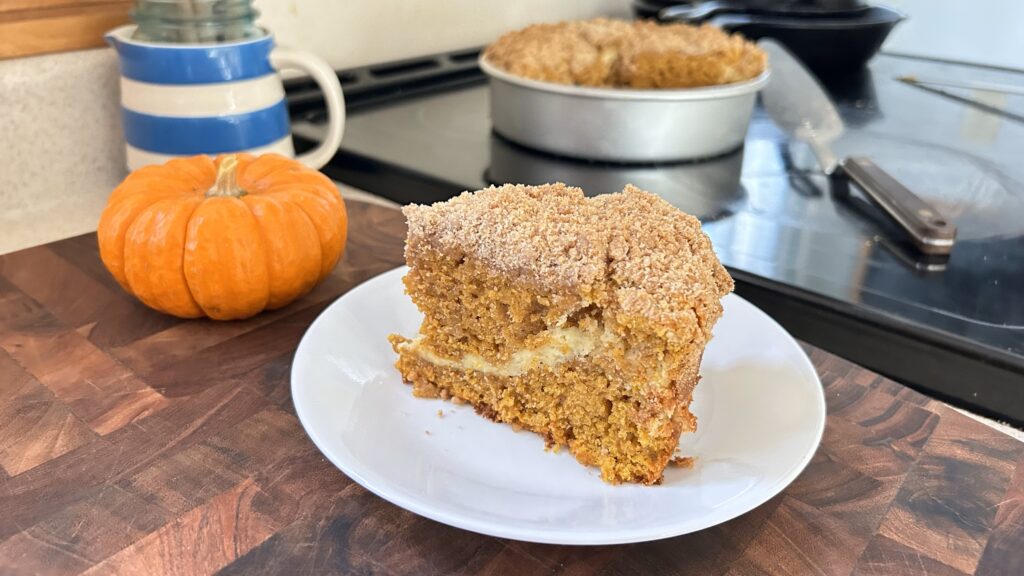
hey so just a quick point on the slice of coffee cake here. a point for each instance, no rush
(580, 319)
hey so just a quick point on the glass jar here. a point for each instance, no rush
(195, 21)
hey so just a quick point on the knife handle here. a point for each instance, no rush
(929, 230)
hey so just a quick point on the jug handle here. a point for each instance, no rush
(327, 79)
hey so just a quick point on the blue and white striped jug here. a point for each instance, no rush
(182, 99)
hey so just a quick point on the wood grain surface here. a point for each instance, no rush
(135, 443)
(30, 27)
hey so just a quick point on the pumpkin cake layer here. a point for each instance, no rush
(581, 319)
(620, 54)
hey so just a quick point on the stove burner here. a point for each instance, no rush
(708, 189)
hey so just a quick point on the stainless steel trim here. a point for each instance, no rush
(621, 125)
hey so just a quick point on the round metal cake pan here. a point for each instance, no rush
(621, 124)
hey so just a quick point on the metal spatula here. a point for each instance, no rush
(798, 104)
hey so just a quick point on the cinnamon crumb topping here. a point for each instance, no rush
(652, 259)
(617, 53)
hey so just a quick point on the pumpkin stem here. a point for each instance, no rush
(227, 179)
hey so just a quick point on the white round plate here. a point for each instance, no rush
(760, 407)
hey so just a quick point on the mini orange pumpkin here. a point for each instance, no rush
(224, 238)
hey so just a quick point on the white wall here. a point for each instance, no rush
(352, 33)
(979, 31)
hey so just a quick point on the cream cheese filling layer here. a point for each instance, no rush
(563, 344)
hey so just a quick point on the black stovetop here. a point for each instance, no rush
(809, 250)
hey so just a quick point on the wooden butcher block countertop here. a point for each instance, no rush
(136, 443)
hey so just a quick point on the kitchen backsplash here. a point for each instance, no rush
(61, 149)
